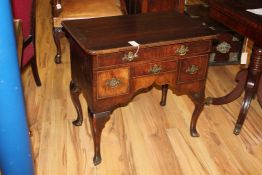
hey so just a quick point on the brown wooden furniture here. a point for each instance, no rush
(144, 6)
(81, 9)
(227, 48)
(233, 14)
(25, 11)
(173, 51)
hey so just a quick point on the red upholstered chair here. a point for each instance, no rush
(81, 9)
(25, 11)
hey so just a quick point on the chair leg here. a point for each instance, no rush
(35, 71)
(57, 34)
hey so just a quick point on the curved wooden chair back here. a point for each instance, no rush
(25, 11)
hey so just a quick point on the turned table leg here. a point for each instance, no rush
(97, 122)
(74, 93)
(259, 92)
(164, 95)
(252, 84)
(248, 80)
(244, 109)
(198, 99)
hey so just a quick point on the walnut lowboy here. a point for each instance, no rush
(111, 75)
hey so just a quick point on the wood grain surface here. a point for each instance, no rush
(141, 138)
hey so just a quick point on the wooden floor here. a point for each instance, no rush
(141, 138)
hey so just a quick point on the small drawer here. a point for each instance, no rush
(193, 69)
(113, 82)
(155, 53)
(155, 68)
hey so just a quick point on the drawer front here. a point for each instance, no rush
(158, 52)
(155, 68)
(113, 82)
(147, 81)
(193, 68)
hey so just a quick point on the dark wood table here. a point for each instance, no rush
(233, 14)
(174, 50)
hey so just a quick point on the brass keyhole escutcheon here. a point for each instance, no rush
(113, 83)
(155, 69)
(192, 69)
(182, 50)
(130, 56)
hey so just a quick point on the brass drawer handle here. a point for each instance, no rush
(130, 56)
(113, 83)
(182, 50)
(155, 69)
(192, 69)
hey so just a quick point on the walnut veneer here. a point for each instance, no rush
(173, 51)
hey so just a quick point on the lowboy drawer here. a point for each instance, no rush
(193, 69)
(113, 82)
(154, 68)
(157, 52)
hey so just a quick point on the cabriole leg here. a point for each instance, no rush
(198, 100)
(74, 93)
(57, 34)
(97, 122)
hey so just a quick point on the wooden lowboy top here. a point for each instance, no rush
(111, 34)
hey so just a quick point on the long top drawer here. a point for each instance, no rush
(152, 53)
